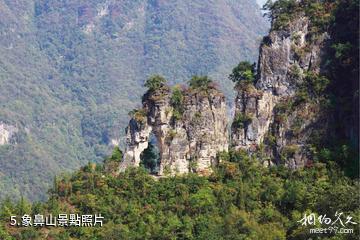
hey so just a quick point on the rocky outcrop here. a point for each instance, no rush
(7, 133)
(188, 139)
(277, 116)
(273, 123)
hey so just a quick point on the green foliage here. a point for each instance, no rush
(116, 155)
(240, 199)
(139, 115)
(241, 120)
(196, 119)
(111, 164)
(202, 201)
(23, 206)
(270, 139)
(177, 98)
(201, 83)
(316, 83)
(176, 115)
(223, 156)
(155, 82)
(319, 14)
(193, 164)
(281, 12)
(243, 72)
(342, 50)
(150, 158)
(295, 72)
(4, 235)
(301, 95)
(176, 101)
(296, 126)
(282, 110)
(288, 151)
(284, 106)
(170, 136)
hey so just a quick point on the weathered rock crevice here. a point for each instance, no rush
(278, 114)
(286, 56)
(7, 133)
(188, 143)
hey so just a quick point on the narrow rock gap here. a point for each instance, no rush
(150, 157)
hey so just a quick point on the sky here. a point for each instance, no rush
(261, 2)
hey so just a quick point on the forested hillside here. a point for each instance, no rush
(70, 71)
(241, 198)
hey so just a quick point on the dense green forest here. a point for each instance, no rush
(241, 199)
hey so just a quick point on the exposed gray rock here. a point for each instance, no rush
(188, 144)
(285, 55)
(137, 137)
(7, 133)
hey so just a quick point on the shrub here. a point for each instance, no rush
(316, 83)
(176, 101)
(167, 170)
(301, 96)
(176, 115)
(243, 72)
(150, 158)
(319, 17)
(295, 72)
(201, 83)
(241, 120)
(289, 151)
(116, 154)
(299, 52)
(177, 98)
(197, 115)
(139, 115)
(282, 107)
(270, 139)
(193, 164)
(223, 156)
(280, 118)
(281, 12)
(342, 49)
(296, 38)
(296, 126)
(155, 82)
(170, 136)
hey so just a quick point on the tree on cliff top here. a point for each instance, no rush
(280, 12)
(244, 71)
(155, 82)
(201, 83)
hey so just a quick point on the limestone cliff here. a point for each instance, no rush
(7, 133)
(188, 140)
(278, 119)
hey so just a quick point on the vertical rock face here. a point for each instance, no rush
(187, 143)
(6, 133)
(137, 137)
(286, 56)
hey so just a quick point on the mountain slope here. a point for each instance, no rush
(70, 71)
(241, 198)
